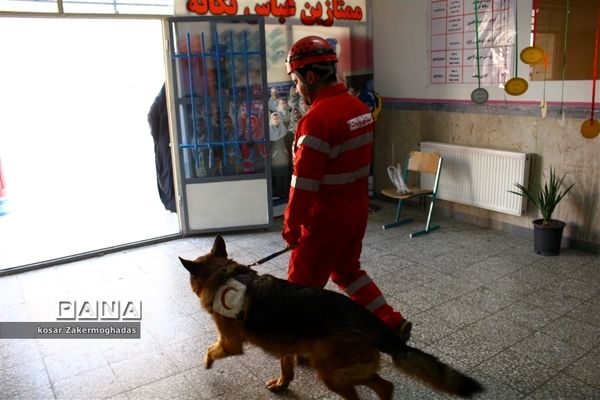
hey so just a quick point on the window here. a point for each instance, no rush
(142, 7)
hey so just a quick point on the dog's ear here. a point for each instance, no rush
(218, 248)
(189, 265)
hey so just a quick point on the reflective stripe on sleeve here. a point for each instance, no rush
(305, 183)
(351, 144)
(314, 143)
(320, 145)
(348, 177)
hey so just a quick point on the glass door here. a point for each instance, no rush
(77, 154)
(216, 86)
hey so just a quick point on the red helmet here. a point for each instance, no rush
(309, 50)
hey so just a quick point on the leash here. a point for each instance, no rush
(269, 257)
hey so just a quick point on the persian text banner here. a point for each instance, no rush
(309, 12)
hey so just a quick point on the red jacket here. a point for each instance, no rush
(332, 156)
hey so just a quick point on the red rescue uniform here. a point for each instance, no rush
(328, 205)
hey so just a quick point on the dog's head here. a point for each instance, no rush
(207, 266)
(210, 271)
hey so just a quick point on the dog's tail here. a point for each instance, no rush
(434, 373)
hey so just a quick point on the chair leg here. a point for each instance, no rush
(424, 231)
(397, 221)
(428, 226)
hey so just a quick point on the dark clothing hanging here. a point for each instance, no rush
(159, 128)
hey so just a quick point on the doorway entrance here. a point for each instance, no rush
(75, 144)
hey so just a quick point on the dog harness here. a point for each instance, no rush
(229, 298)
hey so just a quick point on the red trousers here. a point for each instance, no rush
(331, 249)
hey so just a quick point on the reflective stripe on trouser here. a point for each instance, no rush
(364, 291)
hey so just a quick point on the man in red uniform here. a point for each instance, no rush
(326, 216)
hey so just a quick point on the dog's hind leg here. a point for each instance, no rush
(338, 380)
(344, 367)
(382, 387)
(280, 384)
(346, 391)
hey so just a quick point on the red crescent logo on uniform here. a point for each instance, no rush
(223, 294)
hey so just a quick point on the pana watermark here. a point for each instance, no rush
(82, 319)
(99, 310)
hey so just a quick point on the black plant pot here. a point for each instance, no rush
(547, 238)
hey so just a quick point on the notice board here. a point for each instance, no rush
(453, 41)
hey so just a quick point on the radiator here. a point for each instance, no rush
(480, 177)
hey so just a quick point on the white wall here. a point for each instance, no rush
(401, 39)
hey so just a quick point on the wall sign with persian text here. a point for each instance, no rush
(309, 12)
(453, 51)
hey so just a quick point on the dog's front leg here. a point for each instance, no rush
(221, 349)
(280, 384)
(230, 343)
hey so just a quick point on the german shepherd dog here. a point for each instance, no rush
(341, 339)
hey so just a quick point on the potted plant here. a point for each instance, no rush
(547, 232)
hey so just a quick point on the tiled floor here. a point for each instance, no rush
(527, 326)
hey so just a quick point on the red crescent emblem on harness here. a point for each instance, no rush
(223, 294)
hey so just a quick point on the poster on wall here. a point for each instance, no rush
(454, 51)
(343, 23)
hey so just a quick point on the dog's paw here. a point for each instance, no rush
(208, 361)
(276, 385)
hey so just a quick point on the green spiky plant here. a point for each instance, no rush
(544, 198)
